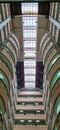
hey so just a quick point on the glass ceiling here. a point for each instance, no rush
(29, 17)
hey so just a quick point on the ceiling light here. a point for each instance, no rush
(37, 121)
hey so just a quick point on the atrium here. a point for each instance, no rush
(30, 65)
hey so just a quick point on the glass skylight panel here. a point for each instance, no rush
(29, 33)
(29, 71)
(29, 85)
(29, 53)
(30, 61)
(29, 8)
(31, 64)
(29, 78)
(29, 20)
(29, 11)
(29, 44)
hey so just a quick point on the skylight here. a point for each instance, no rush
(29, 17)
(29, 8)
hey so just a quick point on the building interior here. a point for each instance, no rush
(30, 65)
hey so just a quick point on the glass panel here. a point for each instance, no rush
(28, 64)
(29, 8)
(29, 85)
(29, 78)
(29, 44)
(29, 71)
(29, 20)
(29, 33)
(29, 53)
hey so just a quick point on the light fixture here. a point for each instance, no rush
(21, 120)
(38, 111)
(29, 120)
(21, 111)
(37, 121)
(23, 103)
(36, 103)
